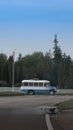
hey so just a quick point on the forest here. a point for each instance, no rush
(57, 67)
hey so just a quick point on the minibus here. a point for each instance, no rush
(32, 87)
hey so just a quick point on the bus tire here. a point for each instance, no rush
(31, 92)
(52, 92)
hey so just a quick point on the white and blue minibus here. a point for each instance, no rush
(36, 87)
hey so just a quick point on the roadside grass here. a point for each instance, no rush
(65, 105)
(11, 93)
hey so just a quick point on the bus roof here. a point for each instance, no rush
(32, 80)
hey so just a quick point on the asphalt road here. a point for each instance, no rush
(23, 113)
(14, 121)
(35, 100)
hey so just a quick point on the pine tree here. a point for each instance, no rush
(57, 60)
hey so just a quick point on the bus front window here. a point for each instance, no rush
(46, 84)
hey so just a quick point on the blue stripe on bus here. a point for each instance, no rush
(35, 91)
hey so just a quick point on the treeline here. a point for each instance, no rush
(56, 67)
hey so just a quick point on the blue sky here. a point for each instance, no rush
(30, 25)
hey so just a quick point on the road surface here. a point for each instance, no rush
(23, 113)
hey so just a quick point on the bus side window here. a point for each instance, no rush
(25, 84)
(36, 84)
(40, 84)
(30, 84)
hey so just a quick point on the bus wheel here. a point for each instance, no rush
(51, 92)
(54, 92)
(31, 92)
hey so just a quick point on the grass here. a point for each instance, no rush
(11, 93)
(65, 105)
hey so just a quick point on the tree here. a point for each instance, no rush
(3, 61)
(10, 68)
(71, 76)
(20, 56)
(60, 75)
(57, 51)
(66, 70)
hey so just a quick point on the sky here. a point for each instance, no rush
(27, 26)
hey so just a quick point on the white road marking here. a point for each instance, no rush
(48, 122)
